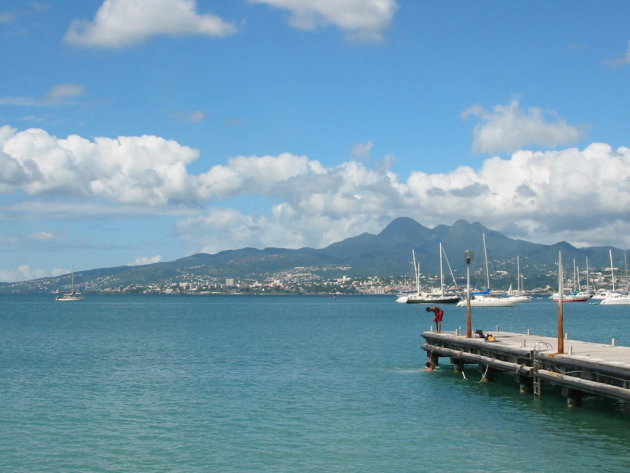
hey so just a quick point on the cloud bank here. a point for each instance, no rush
(578, 195)
(120, 23)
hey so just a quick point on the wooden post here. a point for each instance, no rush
(458, 365)
(574, 397)
(525, 384)
(560, 305)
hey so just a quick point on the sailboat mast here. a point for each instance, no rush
(441, 272)
(518, 274)
(588, 279)
(416, 271)
(485, 254)
(612, 270)
(625, 268)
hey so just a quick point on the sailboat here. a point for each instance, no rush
(618, 298)
(73, 295)
(437, 296)
(485, 298)
(519, 295)
(577, 295)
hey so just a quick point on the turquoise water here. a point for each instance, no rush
(283, 384)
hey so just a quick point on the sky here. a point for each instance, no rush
(139, 131)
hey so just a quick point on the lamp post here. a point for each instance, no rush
(468, 257)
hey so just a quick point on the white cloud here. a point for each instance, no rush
(142, 260)
(7, 18)
(507, 128)
(190, 117)
(364, 20)
(361, 150)
(120, 23)
(22, 273)
(131, 170)
(58, 95)
(61, 92)
(620, 61)
(44, 236)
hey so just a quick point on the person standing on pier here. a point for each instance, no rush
(439, 315)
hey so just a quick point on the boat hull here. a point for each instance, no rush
(429, 299)
(489, 302)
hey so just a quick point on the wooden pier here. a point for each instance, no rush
(585, 369)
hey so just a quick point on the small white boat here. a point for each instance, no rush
(616, 299)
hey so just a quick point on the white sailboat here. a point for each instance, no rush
(485, 298)
(577, 295)
(519, 295)
(437, 296)
(73, 295)
(618, 298)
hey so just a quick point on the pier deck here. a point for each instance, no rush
(585, 368)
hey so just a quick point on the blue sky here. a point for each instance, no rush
(136, 131)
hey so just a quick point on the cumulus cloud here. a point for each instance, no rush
(507, 128)
(620, 61)
(120, 23)
(131, 170)
(360, 19)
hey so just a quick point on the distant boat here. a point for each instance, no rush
(73, 295)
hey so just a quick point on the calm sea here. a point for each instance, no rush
(283, 384)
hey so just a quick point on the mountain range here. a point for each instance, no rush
(387, 253)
